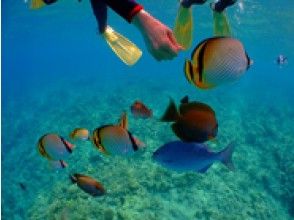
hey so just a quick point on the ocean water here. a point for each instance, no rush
(58, 74)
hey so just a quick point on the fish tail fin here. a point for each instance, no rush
(126, 50)
(73, 178)
(171, 113)
(226, 156)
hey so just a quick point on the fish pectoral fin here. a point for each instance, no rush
(204, 169)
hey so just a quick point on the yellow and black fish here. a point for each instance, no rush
(216, 61)
(80, 134)
(116, 139)
(54, 147)
(88, 184)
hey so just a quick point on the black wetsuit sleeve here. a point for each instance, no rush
(125, 8)
(100, 11)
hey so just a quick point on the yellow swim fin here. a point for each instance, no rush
(37, 4)
(221, 24)
(184, 27)
(127, 51)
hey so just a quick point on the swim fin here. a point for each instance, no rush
(221, 24)
(184, 27)
(37, 4)
(127, 51)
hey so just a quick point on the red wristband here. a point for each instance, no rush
(134, 11)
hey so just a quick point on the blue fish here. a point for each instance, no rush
(183, 156)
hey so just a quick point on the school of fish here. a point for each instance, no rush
(215, 61)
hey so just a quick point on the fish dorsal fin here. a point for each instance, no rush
(185, 99)
(123, 122)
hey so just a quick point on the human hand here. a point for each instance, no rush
(159, 39)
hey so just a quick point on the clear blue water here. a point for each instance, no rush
(57, 74)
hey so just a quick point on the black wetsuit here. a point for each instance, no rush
(125, 8)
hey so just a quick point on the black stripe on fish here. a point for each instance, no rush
(202, 42)
(62, 164)
(99, 144)
(134, 145)
(191, 72)
(66, 145)
(196, 48)
(201, 61)
(42, 150)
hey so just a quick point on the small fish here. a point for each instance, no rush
(54, 147)
(139, 110)
(116, 139)
(22, 186)
(194, 122)
(57, 164)
(216, 61)
(181, 156)
(88, 184)
(281, 59)
(80, 134)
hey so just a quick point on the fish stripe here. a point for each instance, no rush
(201, 62)
(134, 145)
(62, 164)
(248, 60)
(191, 72)
(197, 47)
(65, 144)
(42, 148)
(99, 144)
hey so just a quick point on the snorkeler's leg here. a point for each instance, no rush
(184, 22)
(221, 22)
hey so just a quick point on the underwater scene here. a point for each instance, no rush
(85, 136)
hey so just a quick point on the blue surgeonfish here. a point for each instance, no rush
(183, 156)
(116, 139)
(88, 184)
(216, 61)
(54, 147)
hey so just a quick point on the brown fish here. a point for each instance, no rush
(139, 110)
(194, 122)
(88, 184)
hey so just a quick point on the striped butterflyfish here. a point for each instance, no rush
(54, 147)
(216, 61)
(116, 139)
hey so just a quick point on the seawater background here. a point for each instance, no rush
(57, 74)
